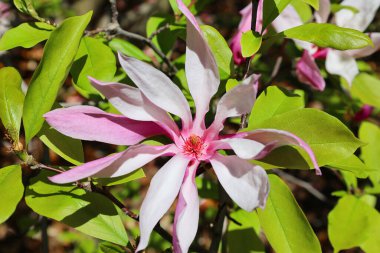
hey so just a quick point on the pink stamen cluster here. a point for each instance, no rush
(193, 146)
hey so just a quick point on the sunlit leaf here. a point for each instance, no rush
(11, 190)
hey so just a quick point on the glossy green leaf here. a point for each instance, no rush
(367, 89)
(11, 190)
(272, 9)
(350, 223)
(93, 59)
(329, 138)
(352, 164)
(11, 101)
(284, 223)
(59, 53)
(274, 101)
(25, 35)
(68, 148)
(220, 50)
(369, 133)
(328, 35)
(244, 237)
(127, 48)
(164, 40)
(337, 7)
(88, 212)
(122, 179)
(27, 7)
(313, 3)
(250, 43)
(303, 10)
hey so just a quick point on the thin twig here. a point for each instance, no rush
(306, 185)
(158, 31)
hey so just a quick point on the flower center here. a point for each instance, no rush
(193, 146)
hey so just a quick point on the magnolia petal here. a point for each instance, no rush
(322, 15)
(132, 103)
(162, 192)
(114, 165)
(201, 70)
(309, 73)
(274, 138)
(234, 103)
(359, 21)
(245, 183)
(366, 51)
(187, 212)
(157, 87)
(339, 63)
(92, 124)
(243, 148)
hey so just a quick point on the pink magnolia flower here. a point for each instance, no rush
(244, 26)
(4, 18)
(337, 62)
(364, 113)
(145, 114)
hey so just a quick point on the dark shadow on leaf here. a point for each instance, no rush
(244, 241)
(286, 157)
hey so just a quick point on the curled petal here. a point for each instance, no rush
(115, 165)
(274, 138)
(92, 124)
(245, 183)
(201, 70)
(157, 87)
(309, 73)
(132, 103)
(339, 63)
(243, 148)
(187, 212)
(359, 21)
(366, 51)
(162, 192)
(235, 102)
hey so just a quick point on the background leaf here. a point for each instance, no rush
(284, 223)
(11, 190)
(127, 48)
(27, 7)
(59, 53)
(93, 59)
(250, 43)
(11, 101)
(272, 9)
(25, 35)
(367, 89)
(88, 212)
(369, 133)
(329, 36)
(350, 223)
(352, 164)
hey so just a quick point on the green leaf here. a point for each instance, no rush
(220, 50)
(173, 4)
(367, 89)
(250, 43)
(68, 148)
(329, 138)
(284, 223)
(231, 83)
(106, 247)
(88, 212)
(164, 40)
(337, 7)
(372, 244)
(274, 101)
(244, 237)
(59, 53)
(11, 101)
(352, 164)
(11, 190)
(350, 223)
(93, 59)
(369, 133)
(25, 35)
(272, 9)
(313, 3)
(303, 10)
(127, 48)
(27, 7)
(328, 35)
(122, 179)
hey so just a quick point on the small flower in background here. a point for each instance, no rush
(364, 113)
(145, 111)
(244, 26)
(4, 18)
(337, 62)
